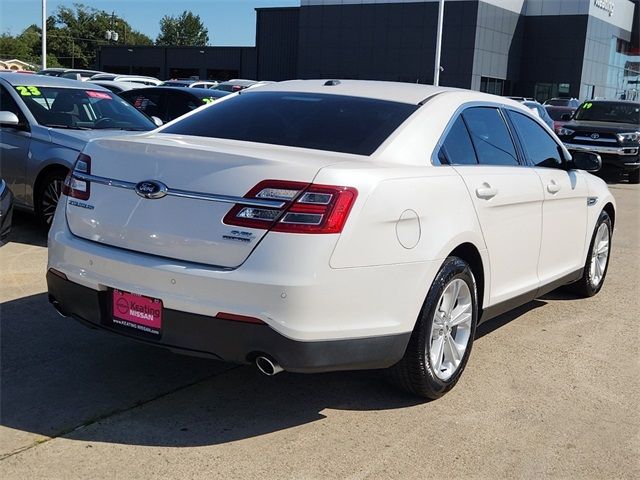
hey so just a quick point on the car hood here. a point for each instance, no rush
(600, 127)
(77, 139)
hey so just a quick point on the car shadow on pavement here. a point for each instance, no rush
(26, 229)
(61, 378)
(501, 320)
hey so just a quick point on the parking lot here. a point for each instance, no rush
(551, 390)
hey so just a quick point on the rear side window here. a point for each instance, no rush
(541, 150)
(335, 123)
(147, 102)
(457, 148)
(490, 136)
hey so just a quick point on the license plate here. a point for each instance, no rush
(137, 311)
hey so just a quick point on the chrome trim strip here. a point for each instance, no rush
(211, 197)
(632, 164)
(600, 149)
(599, 139)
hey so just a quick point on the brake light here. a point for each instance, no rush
(74, 187)
(307, 208)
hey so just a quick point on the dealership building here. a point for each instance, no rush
(534, 48)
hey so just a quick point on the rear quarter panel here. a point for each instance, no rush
(403, 215)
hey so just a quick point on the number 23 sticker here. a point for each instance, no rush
(28, 91)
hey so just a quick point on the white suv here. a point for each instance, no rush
(329, 225)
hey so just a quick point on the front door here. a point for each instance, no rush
(14, 149)
(564, 209)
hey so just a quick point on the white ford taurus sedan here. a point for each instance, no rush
(322, 225)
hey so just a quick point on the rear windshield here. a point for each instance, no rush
(616, 112)
(334, 123)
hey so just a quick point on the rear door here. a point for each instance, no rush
(564, 210)
(507, 197)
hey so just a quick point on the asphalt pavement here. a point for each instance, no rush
(552, 390)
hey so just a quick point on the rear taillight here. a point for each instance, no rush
(307, 208)
(74, 186)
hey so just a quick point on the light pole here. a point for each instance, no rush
(436, 67)
(44, 34)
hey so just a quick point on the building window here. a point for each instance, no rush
(221, 75)
(193, 73)
(492, 85)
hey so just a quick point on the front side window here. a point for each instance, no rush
(8, 104)
(490, 136)
(75, 108)
(541, 150)
(336, 123)
(457, 148)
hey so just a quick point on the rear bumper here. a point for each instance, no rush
(230, 341)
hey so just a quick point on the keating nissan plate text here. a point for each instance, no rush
(321, 225)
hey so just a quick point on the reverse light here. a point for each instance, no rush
(565, 132)
(633, 137)
(308, 208)
(74, 187)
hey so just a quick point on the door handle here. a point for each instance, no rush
(486, 191)
(553, 187)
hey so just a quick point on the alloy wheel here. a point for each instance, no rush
(599, 255)
(49, 202)
(450, 329)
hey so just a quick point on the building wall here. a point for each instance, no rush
(168, 62)
(498, 46)
(603, 71)
(277, 43)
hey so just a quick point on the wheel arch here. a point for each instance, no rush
(51, 168)
(469, 253)
(610, 209)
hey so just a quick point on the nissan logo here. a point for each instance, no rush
(151, 189)
(595, 136)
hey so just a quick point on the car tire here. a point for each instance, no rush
(634, 176)
(597, 261)
(47, 195)
(425, 369)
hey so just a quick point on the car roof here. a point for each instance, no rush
(412, 93)
(623, 102)
(197, 92)
(17, 79)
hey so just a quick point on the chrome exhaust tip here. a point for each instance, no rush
(267, 366)
(58, 308)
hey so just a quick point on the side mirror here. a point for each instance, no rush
(157, 121)
(9, 119)
(566, 116)
(584, 160)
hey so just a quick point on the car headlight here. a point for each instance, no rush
(628, 137)
(565, 132)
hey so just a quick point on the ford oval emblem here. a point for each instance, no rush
(151, 189)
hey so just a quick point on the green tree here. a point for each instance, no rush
(185, 30)
(73, 37)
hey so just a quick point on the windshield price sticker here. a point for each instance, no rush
(100, 95)
(207, 100)
(28, 91)
(587, 106)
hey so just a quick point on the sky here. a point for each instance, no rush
(230, 22)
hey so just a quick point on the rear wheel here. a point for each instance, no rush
(47, 196)
(634, 176)
(442, 338)
(597, 263)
